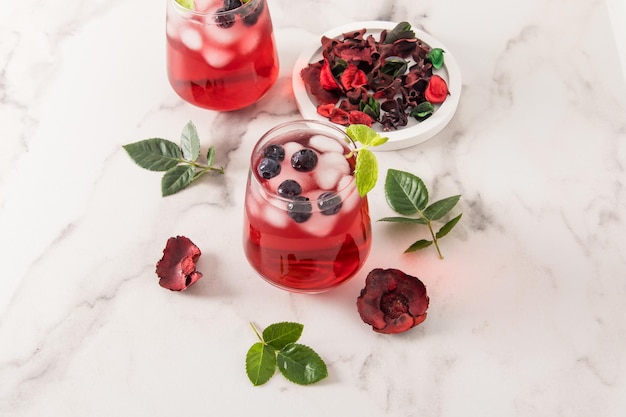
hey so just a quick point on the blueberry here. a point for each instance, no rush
(329, 203)
(224, 20)
(253, 16)
(299, 209)
(231, 4)
(289, 189)
(268, 168)
(275, 152)
(304, 160)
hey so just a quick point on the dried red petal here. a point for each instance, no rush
(339, 116)
(352, 77)
(392, 301)
(311, 77)
(327, 80)
(356, 117)
(437, 90)
(325, 110)
(177, 268)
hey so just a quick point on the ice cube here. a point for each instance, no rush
(275, 216)
(325, 144)
(171, 28)
(327, 179)
(349, 194)
(331, 167)
(249, 43)
(319, 225)
(291, 148)
(223, 36)
(216, 57)
(191, 38)
(205, 5)
(305, 179)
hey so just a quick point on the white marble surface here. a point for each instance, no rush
(527, 310)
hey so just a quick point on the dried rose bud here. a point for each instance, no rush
(177, 267)
(392, 301)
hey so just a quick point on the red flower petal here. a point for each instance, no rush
(392, 301)
(325, 110)
(437, 90)
(311, 77)
(339, 116)
(356, 117)
(177, 268)
(352, 77)
(327, 80)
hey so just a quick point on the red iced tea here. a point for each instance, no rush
(221, 59)
(306, 228)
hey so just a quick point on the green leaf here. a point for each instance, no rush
(440, 208)
(187, 4)
(446, 228)
(176, 179)
(278, 335)
(361, 133)
(154, 154)
(301, 364)
(436, 57)
(190, 142)
(401, 31)
(406, 194)
(210, 156)
(407, 220)
(420, 244)
(423, 111)
(260, 363)
(365, 171)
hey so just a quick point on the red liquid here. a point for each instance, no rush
(211, 71)
(313, 256)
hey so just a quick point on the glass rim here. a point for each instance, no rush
(245, 6)
(343, 192)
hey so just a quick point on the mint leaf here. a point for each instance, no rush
(405, 193)
(420, 244)
(440, 208)
(423, 111)
(301, 364)
(190, 142)
(365, 135)
(401, 31)
(436, 57)
(446, 228)
(187, 4)
(407, 220)
(260, 363)
(365, 171)
(278, 335)
(154, 154)
(176, 179)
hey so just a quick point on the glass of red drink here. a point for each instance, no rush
(306, 228)
(221, 55)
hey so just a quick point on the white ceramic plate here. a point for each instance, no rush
(414, 132)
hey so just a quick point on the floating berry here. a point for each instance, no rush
(232, 4)
(268, 168)
(300, 209)
(223, 19)
(304, 160)
(289, 189)
(329, 203)
(275, 152)
(253, 17)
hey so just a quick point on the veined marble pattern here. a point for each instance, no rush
(527, 309)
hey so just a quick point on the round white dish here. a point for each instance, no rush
(414, 132)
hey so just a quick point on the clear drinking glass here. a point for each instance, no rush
(221, 59)
(306, 228)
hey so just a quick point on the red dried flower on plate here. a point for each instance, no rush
(437, 90)
(177, 268)
(392, 301)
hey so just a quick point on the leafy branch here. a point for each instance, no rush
(366, 169)
(407, 195)
(180, 163)
(277, 347)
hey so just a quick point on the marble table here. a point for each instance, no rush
(527, 313)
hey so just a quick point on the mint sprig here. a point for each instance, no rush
(366, 170)
(180, 163)
(407, 195)
(277, 347)
(187, 4)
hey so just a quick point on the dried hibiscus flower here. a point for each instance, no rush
(392, 301)
(177, 268)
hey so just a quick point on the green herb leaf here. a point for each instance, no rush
(187, 4)
(436, 57)
(394, 66)
(210, 156)
(420, 244)
(423, 111)
(440, 208)
(301, 364)
(405, 193)
(366, 171)
(406, 220)
(154, 154)
(176, 179)
(401, 31)
(446, 228)
(260, 363)
(190, 142)
(278, 335)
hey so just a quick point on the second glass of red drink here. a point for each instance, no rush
(221, 54)
(306, 228)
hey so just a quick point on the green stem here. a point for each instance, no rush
(432, 233)
(257, 333)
